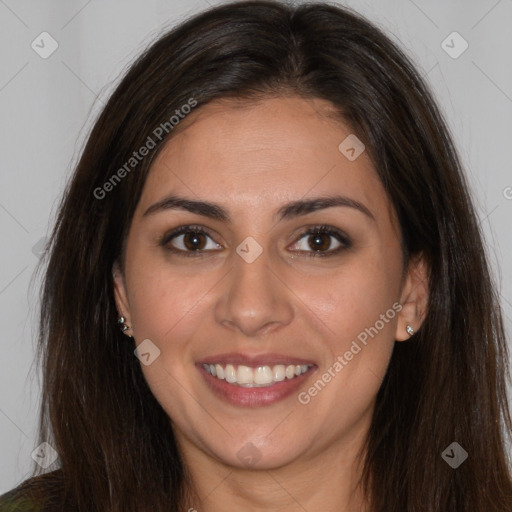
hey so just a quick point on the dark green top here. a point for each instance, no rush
(42, 493)
(14, 501)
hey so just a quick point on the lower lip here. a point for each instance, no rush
(253, 397)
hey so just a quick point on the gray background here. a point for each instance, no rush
(47, 106)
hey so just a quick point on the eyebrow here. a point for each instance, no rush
(290, 210)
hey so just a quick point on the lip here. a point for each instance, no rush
(254, 360)
(253, 397)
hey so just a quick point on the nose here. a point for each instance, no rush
(254, 299)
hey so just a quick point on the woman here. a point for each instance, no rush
(272, 211)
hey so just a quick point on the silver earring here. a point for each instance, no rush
(121, 322)
(409, 330)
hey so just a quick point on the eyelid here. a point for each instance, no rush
(186, 228)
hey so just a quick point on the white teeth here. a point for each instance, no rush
(244, 375)
(261, 376)
(278, 373)
(230, 373)
(219, 371)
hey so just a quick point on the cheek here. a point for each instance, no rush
(160, 295)
(360, 310)
(353, 299)
(167, 309)
(164, 304)
(357, 354)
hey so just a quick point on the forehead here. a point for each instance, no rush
(262, 153)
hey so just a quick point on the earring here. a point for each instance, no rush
(123, 326)
(410, 330)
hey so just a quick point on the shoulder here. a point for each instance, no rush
(14, 501)
(38, 494)
(19, 500)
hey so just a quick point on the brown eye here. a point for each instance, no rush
(194, 241)
(189, 241)
(322, 241)
(319, 242)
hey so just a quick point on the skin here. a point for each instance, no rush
(251, 158)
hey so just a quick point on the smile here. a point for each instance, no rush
(254, 381)
(261, 376)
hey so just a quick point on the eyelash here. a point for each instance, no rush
(314, 230)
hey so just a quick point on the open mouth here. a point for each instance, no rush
(261, 376)
(254, 382)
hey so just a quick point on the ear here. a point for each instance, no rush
(414, 298)
(120, 296)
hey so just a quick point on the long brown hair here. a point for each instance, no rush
(116, 447)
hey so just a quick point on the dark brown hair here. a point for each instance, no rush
(116, 447)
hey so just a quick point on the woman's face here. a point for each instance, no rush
(266, 280)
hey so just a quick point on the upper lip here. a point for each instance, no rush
(254, 360)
